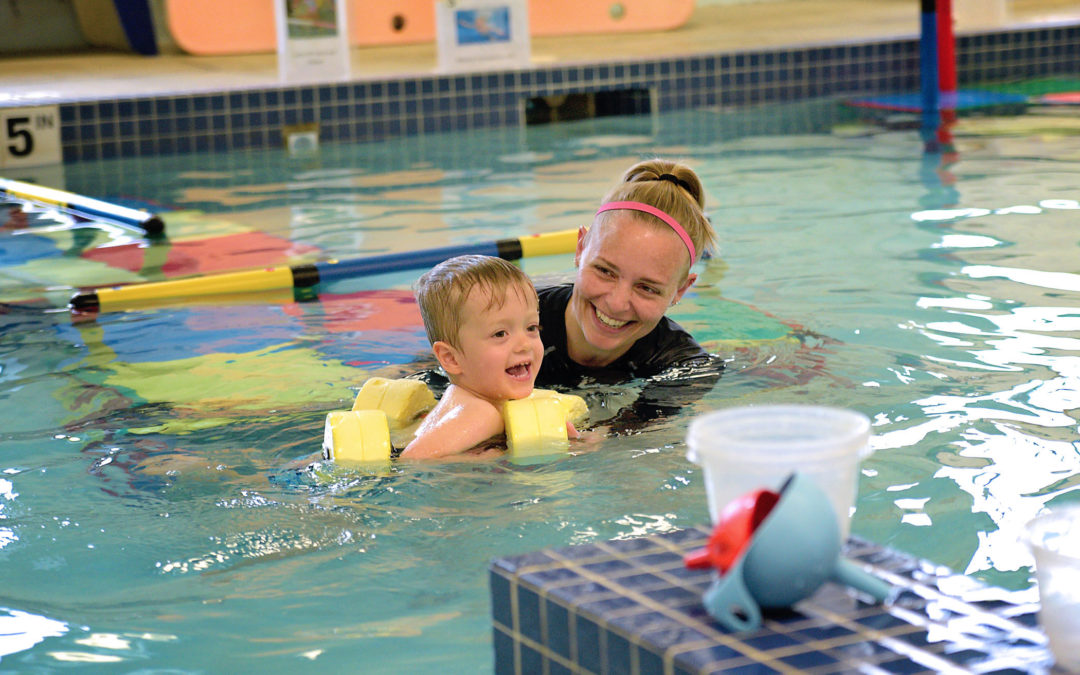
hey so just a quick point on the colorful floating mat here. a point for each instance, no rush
(631, 606)
(964, 100)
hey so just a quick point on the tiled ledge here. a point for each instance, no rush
(632, 607)
(373, 110)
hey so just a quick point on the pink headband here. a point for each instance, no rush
(652, 210)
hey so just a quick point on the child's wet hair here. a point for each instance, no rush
(442, 292)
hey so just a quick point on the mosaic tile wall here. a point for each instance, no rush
(365, 111)
(631, 606)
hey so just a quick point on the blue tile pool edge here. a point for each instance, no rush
(428, 104)
(566, 610)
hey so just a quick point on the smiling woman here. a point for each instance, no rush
(632, 265)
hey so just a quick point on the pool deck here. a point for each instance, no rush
(47, 78)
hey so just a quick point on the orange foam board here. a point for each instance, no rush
(213, 27)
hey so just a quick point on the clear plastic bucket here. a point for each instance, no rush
(748, 448)
(1054, 539)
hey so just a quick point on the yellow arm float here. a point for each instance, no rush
(534, 426)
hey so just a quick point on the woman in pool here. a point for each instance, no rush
(633, 263)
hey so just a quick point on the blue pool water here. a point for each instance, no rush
(157, 508)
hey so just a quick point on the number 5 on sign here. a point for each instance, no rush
(29, 136)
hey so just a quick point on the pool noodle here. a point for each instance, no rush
(307, 275)
(149, 223)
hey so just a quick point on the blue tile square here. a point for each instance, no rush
(902, 665)
(529, 621)
(609, 568)
(649, 662)
(68, 113)
(106, 110)
(558, 628)
(500, 599)
(698, 659)
(810, 659)
(272, 97)
(603, 608)
(576, 592)
(144, 107)
(587, 636)
(674, 597)
(503, 647)
(618, 654)
(531, 660)
(236, 101)
(671, 636)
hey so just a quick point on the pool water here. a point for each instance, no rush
(158, 505)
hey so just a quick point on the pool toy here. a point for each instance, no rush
(308, 275)
(535, 426)
(357, 436)
(149, 223)
(772, 549)
(401, 400)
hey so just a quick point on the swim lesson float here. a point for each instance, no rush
(385, 408)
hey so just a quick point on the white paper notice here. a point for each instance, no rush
(313, 40)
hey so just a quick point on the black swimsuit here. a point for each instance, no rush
(667, 346)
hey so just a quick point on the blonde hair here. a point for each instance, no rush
(442, 291)
(682, 198)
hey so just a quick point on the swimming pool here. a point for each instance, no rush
(155, 511)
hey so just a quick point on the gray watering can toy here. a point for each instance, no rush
(772, 549)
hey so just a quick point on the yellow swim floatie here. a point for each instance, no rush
(534, 426)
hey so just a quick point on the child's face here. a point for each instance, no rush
(499, 349)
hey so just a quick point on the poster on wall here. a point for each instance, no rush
(472, 34)
(313, 40)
